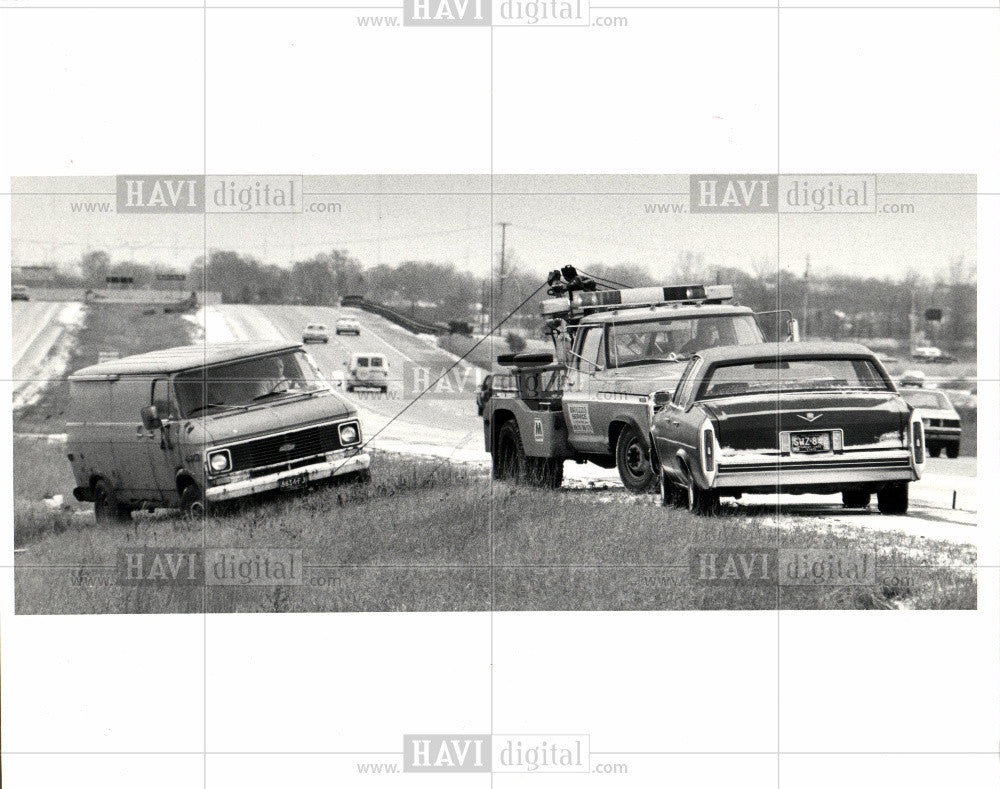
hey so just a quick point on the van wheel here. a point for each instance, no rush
(934, 450)
(952, 451)
(894, 498)
(193, 504)
(108, 510)
(632, 457)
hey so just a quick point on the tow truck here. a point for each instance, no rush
(613, 348)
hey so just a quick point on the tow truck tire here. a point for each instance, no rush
(632, 458)
(108, 510)
(548, 472)
(894, 498)
(509, 461)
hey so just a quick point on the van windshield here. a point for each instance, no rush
(220, 387)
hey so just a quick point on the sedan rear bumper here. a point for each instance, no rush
(309, 474)
(791, 472)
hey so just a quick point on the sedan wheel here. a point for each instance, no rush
(856, 500)
(894, 498)
(701, 502)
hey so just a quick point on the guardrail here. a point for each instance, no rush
(410, 324)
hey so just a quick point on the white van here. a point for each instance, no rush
(368, 371)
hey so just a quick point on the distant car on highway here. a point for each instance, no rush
(190, 426)
(367, 371)
(930, 353)
(913, 378)
(942, 424)
(348, 326)
(316, 332)
(807, 417)
(19, 293)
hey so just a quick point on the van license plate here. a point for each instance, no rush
(293, 483)
(810, 442)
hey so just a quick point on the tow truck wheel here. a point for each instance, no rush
(894, 498)
(509, 460)
(632, 457)
(193, 503)
(108, 511)
(548, 472)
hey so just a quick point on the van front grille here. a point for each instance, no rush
(286, 447)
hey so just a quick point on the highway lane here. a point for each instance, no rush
(39, 344)
(442, 420)
(443, 423)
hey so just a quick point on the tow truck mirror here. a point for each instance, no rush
(150, 418)
(661, 398)
(793, 330)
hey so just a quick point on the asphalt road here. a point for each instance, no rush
(441, 421)
(38, 330)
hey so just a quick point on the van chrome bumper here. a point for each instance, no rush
(313, 473)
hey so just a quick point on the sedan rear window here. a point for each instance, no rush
(792, 375)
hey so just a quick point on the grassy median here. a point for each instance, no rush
(427, 535)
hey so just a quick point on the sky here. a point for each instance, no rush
(554, 220)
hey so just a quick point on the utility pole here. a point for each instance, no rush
(805, 306)
(498, 301)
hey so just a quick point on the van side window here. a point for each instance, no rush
(363, 361)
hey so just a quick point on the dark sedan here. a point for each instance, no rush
(786, 417)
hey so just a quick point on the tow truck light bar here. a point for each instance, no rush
(631, 297)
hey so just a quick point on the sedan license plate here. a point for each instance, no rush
(293, 483)
(808, 443)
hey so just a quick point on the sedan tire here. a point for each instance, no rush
(856, 499)
(894, 498)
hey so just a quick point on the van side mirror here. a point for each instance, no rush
(150, 418)
(793, 330)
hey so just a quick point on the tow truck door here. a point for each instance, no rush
(580, 390)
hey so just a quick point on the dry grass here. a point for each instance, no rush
(421, 538)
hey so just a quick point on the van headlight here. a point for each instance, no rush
(349, 434)
(219, 461)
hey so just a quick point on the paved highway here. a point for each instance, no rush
(39, 343)
(444, 422)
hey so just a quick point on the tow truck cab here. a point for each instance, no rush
(591, 404)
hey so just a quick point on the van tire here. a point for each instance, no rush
(108, 510)
(193, 504)
(632, 458)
